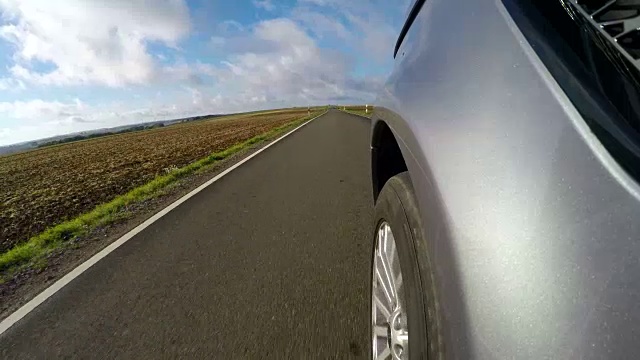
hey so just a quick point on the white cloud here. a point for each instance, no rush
(323, 24)
(272, 63)
(228, 26)
(218, 41)
(36, 110)
(191, 73)
(358, 23)
(280, 62)
(376, 38)
(90, 41)
(11, 84)
(39, 119)
(264, 4)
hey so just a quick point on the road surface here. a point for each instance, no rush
(271, 261)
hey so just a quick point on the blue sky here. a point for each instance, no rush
(73, 65)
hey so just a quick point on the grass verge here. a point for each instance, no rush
(360, 113)
(34, 250)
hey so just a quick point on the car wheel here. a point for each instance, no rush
(402, 301)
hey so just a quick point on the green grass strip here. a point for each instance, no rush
(56, 237)
(360, 112)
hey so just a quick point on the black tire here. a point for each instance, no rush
(397, 205)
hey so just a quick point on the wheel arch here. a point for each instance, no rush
(387, 159)
(397, 146)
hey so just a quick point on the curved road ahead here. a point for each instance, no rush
(271, 261)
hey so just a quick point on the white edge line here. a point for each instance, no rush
(16, 316)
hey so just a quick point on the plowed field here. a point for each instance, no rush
(44, 187)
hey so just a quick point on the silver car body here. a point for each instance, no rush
(533, 226)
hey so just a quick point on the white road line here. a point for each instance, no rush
(51, 290)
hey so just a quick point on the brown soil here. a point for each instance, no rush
(44, 187)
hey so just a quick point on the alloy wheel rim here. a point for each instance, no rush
(390, 334)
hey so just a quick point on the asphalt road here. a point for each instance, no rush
(271, 261)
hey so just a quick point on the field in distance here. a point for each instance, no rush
(362, 110)
(44, 187)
